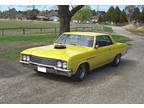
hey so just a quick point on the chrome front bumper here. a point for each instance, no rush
(49, 68)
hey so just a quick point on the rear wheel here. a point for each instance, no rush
(117, 60)
(81, 73)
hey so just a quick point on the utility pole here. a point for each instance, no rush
(33, 6)
(97, 8)
(8, 12)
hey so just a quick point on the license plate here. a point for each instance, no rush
(41, 69)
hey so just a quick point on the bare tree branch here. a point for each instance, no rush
(65, 15)
(75, 9)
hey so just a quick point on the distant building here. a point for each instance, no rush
(95, 19)
(20, 16)
(54, 18)
(42, 18)
(97, 15)
(87, 21)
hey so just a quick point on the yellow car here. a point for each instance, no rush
(74, 54)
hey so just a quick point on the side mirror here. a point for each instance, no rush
(97, 46)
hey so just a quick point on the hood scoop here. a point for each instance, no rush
(59, 46)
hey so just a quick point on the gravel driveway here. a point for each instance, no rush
(123, 84)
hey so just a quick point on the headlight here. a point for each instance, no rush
(24, 57)
(59, 64)
(64, 65)
(27, 58)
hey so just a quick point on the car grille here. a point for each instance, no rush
(45, 61)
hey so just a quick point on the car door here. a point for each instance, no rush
(103, 50)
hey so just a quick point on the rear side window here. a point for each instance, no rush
(108, 39)
(103, 40)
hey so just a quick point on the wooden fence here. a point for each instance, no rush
(24, 31)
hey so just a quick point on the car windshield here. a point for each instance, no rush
(78, 40)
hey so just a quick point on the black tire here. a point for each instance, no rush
(81, 73)
(117, 60)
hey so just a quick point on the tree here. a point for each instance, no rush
(65, 15)
(113, 15)
(84, 14)
(109, 14)
(136, 14)
(12, 13)
(102, 18)
(78, 16)
(116, 15)
(0, 14)
(142, 16)
(129, 11)
(31, 14)
(123, 17)
(94, 12)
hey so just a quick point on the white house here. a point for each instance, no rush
(54, 18)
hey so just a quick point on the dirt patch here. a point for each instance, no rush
(141, 28)
(9, 68)
(134, 27)
(130, 26)
(5, 46)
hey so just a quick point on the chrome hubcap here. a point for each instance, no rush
(82, 71)
(117, 60)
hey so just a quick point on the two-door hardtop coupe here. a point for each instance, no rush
(74, 54)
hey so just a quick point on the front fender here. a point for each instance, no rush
(75, 62)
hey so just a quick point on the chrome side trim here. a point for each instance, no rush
(59, 69)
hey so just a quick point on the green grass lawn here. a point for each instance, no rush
(120, 38)
(12, 46)
(27, 38)
(27, 24)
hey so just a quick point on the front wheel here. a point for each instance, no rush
(81, 73)
(117, 60)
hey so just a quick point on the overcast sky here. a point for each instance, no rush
(48, 7)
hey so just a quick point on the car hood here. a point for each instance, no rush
(50, 52)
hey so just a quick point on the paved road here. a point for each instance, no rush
(123, 84)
